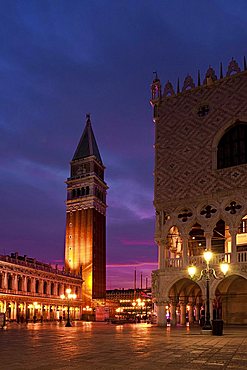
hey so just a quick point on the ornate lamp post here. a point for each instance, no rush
(69, 297)
(207, 273)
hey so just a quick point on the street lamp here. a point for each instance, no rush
(69, 297)
(207, 273)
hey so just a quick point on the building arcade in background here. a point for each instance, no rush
(31, 290)
(200, 194)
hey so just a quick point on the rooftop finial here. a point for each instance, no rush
(155, 76)
(199, 78)
(221, 70)
(88, 117)
(178, 87)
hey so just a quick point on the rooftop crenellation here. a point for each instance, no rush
(209, 79)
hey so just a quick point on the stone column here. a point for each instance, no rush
(55, 288)
(25, 308)
(33, 285)
(185, 242)
(233, 232)
(48, 307)
(15, 282)
(197, 312)
(5, 281)
(161, 256)
(191, 316)
(173, 313)
(161, 315)
(12, 313)
(208, 235)
(15, 311)
(182, 313)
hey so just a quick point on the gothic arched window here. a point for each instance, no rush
(232, 148)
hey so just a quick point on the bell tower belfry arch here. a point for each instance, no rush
(85, 241)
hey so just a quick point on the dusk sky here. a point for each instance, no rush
(62, 59)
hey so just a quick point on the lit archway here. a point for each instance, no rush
(231, 298)
(185, 302)
(197, 241)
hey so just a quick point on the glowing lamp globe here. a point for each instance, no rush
(207, 256)
(224, 267)
(192, 271)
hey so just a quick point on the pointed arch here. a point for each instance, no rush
(232, 147)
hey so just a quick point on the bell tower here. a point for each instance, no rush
(85, 242)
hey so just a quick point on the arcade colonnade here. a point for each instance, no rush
(31, 289)
(180, 300)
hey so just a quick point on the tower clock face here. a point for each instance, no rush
(78, 170)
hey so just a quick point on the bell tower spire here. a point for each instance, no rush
(85, 244)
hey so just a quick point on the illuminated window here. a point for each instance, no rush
(232, 148)
(243, 226)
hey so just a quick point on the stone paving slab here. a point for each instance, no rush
(131, 346)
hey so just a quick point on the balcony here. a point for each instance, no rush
(180, 263)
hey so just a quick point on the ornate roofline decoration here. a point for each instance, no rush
(233, 67)
(188, 83)
(168, 89)
(210, 78)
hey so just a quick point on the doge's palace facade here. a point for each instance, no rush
(200, 193)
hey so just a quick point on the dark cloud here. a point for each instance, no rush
(60, 60)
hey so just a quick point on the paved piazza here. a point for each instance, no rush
(108, 346)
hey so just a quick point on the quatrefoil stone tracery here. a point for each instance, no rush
(233, 208)
(185, 215)
(208, 211)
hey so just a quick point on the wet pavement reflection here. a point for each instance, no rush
(130, 346)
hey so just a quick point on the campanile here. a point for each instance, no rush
(85, 242)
